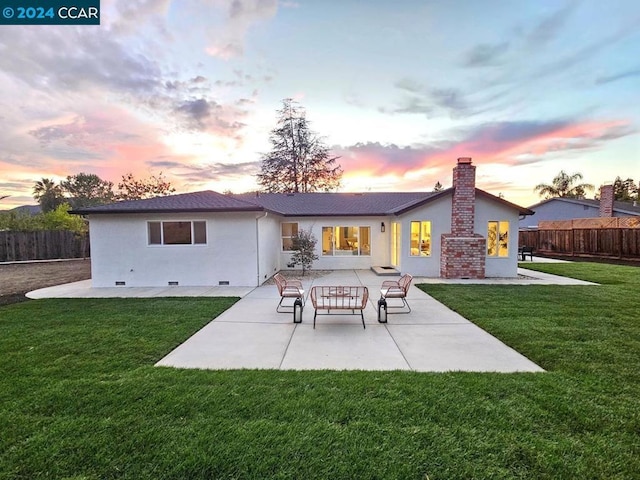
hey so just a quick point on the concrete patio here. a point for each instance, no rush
(251, 334)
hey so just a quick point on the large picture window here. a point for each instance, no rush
(498, 239)
(346, 241)
(289, 230)
(177, 233)
(420, 239)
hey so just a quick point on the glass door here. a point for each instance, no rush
(395, 244)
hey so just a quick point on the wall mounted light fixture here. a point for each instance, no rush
(382, 227)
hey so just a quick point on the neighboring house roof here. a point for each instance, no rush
(287, 204)
(627, 208)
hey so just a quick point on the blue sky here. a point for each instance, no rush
(399, 90)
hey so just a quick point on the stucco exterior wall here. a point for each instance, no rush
(120, 252)
(269, 239)
(438, 213)
(379, 242)
(486, 211)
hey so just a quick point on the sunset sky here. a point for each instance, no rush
(398, 89)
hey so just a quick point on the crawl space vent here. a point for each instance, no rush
(223, 282)
(120, 284)
(173, 284)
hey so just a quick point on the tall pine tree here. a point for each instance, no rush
(299, 161)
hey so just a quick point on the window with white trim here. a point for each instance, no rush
(346, 241)
(498, 238)
(177, 233)
(420, 239)
(289, 230)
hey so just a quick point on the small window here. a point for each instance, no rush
(420, 239)
(498, 239)
(199, 233)
(155, 235)
(177, 233)
(289, 230)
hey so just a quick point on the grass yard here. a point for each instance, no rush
(80, 398)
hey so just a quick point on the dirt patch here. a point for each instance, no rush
(297, 275)
(16, 279)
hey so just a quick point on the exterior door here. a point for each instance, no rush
(395, 244)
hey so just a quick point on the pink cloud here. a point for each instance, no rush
(511, 144)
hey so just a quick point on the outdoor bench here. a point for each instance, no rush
(343, 299)
(524, 251)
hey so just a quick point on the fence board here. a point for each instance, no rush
(42, 245)
(602, 242)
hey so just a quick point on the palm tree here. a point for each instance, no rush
(563, 185)
(48, 194)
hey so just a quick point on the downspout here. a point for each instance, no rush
(258, 249)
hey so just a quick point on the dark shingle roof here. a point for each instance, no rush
(337, 204)
(206, 201)
(286, 204)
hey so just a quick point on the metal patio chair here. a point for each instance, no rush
(394, 289)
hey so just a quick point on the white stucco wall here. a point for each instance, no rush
(270, 244)
(486, 211)
(379, 242)
(438, 213)
(120, 252)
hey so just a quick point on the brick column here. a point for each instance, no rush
(606, 201)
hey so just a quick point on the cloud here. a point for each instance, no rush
(227, 40)
(418, 98)
(486, 55)
(198, 175)
(506, 143)
(129, 15)
(550, 26)
(67, 60)
(619, 76)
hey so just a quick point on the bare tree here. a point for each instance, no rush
(299, 161)
(130, 188)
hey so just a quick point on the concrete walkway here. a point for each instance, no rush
(251, 334)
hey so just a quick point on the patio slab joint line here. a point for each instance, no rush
(399, 349)
(284, 355)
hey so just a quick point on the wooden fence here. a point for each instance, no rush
(600, 242)
(43, 245)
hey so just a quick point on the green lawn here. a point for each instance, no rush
(80, 398)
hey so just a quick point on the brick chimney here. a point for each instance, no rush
(464, 198)
(606, 201)
(463, 252)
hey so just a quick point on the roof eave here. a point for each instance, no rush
(166, 210)
(421, 202)
(521, 210)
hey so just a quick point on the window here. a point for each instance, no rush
(177, 233)
(289, 230)
(346, 241)
(498, 239)
(420, 239)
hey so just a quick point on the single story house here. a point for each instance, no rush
(560, 208)
(207, 238)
